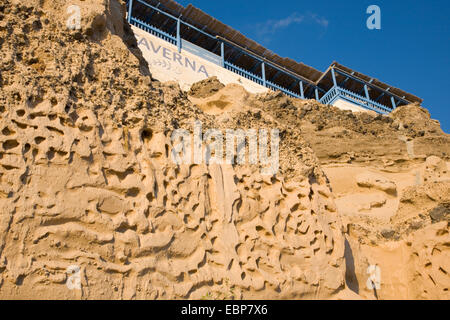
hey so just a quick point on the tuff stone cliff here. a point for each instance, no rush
(86, 180)
(389, 180)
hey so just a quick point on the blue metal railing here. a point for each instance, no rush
(275, 87)
(153, 30)
(259, 80)
(243, 73)
(337, 92)
(330, 96)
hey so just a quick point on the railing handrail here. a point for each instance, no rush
(338, 92)
(243, 71)
(328, 97)
(378, 105)
(153, 28)
(288, 92)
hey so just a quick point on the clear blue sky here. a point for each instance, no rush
(411, 51)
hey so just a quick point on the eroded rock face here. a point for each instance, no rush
(87, 184)
(370, 180)
(206, 88)
(86, 179)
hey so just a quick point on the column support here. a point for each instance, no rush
(334, 77)
(222, 53)
(317, 94)
(178, 35)
(263, 70)
(366, 90)
(393, 103)
(302, 94)
(130, 7)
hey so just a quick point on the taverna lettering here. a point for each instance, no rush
(171, 55)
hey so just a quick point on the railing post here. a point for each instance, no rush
(263, 69)
(334, 77)
(393, 103)
(317, 94)
(130, 7)
(178, 36)
(366, 90)
(222, 53)
(302, 94)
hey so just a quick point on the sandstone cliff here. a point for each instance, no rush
(86, 180)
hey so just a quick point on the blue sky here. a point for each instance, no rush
(411, 51)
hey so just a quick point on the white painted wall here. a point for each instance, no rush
(346, 105)
(166, 64)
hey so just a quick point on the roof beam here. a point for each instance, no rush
(214, 47)
(380, 96)
(195, 38)
(275, 76)
(333, 76)
(253, 69)
(174, 27)
(371, 85)
(346, 79)
(292, 85)
(312, 92)
(235, 56)
(302, 92)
